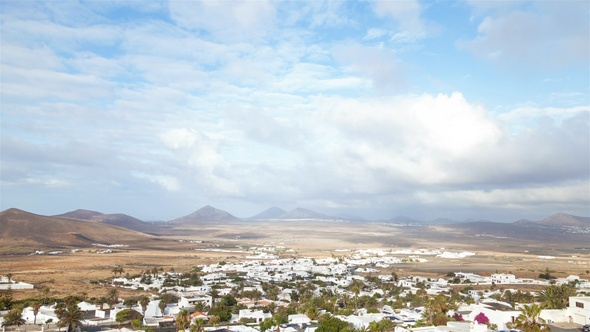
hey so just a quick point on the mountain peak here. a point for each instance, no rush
(564, 219)
(81, 214)
(301, 213)
(270, 213)
(206, 213)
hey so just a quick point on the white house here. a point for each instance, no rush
(497, 313)
(189, 299)
(258, 315)
(579, 309)
(503, 278)
(299, 319)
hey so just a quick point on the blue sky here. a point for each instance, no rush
(457, 109)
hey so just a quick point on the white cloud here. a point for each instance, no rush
(239, 101)
(168, 182)
(179, 138)
(407, 13)
(375, 33)
(379, 65)
(228, 20)
(547, 34)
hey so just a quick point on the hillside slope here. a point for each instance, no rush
(116, 219)
(21, 231)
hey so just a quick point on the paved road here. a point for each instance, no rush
(565, 327)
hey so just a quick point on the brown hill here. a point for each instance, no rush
(22, 231)
(116, 219)
(564, 219)
(205, 214)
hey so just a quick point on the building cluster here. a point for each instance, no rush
(335, 275)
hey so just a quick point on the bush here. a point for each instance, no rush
(481, 318)
(128, 314)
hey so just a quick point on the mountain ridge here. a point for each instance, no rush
(116, 219)
(25, 230)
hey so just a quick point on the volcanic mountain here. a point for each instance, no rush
(204, 214)
(117, 219)
(22, 231)
(564, 219)
(270, 213)
(301, 213)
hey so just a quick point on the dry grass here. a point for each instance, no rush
(71, 274)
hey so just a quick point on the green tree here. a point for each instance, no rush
(197, 326)
(162, 305)
(6, 299)
(221, 311)
(384, 325)
(143, 302)
(127, 315)
(555, 297)
(437, 308)
(70, 317)
(328, 323)
(529, 320)
(183, 319)
(201, 306)
(112, 297)
(36, 305)
(228, 300)
(14, 317)
(213, 321)
(129, 302)
(70, 299)
(101, 301)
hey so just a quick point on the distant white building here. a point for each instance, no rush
(258, 315)
(189, 299)
(503, 278)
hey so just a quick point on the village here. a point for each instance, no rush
(347, 292)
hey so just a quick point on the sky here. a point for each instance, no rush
(427, 109)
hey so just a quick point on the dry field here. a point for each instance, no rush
(73, 273)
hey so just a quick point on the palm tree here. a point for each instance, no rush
(183, 319)
(70, 317)
(143, 302)
(112, 297)
(14, 317)
(384, 325)
(529, 320)
(556, 297)
(200, 306)
(70, 299)
(197, 326)
(162, 305)
(100, 301)
(356, 290)
(36, 305)
(438, 307)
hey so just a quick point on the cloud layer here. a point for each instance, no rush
(374, 109)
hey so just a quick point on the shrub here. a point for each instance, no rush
(481, 318)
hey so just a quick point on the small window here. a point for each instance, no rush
(580, 305)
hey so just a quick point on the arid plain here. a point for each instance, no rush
(522, 250)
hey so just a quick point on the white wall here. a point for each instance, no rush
(579, 315)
